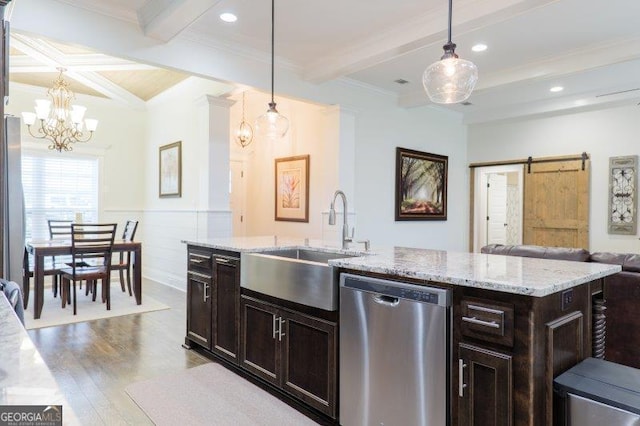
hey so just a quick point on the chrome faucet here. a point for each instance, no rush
(346, 239)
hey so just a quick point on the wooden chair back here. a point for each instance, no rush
(59, 229)
(130, 230)
(92, 241)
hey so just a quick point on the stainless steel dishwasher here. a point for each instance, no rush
(395, 353)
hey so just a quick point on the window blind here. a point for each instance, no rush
(58, 187)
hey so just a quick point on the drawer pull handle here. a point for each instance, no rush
(274, 325)
(461, 383)
(222, 260)
(203, 276)
(280, 332)
(205, 293)
(483, 309)
(198, 258)
(474, 320)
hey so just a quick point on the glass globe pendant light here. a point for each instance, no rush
(451, 79)
(272, 124)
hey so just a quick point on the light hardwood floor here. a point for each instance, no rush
(94, 361)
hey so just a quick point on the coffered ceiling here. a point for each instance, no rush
(589, 47)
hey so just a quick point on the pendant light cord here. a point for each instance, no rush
(450, 13)
(273, 43)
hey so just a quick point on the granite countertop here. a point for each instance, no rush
(270, 243)
(24, 377)
(510, 274)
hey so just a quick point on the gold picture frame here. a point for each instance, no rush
(170, 170)
(292, 189)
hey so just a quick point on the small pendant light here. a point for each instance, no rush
(451, 79)
(272, 124)
(244, 134)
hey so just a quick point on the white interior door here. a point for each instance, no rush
(509, 210)
(237, 194)
(497, 208)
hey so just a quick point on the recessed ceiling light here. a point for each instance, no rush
(480, 47)
(555, 89)
(228, 17)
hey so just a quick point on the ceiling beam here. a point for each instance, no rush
(52, 57)
(165, 19)
(426, 30)
(82, 62)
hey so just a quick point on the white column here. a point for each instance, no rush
(214, 179)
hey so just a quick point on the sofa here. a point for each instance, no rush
(621, 293)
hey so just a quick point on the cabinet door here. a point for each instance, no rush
(309, 360)
(226, 305)
(259, 349)
(485, 387)
(199, 309)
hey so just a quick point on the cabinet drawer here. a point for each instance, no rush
(487, 320)
(200, 261)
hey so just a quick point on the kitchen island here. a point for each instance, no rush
(516, 324)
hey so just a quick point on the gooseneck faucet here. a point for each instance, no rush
(332, 218)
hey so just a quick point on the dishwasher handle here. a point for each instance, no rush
(381, 299)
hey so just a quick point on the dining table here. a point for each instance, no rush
(39, 250)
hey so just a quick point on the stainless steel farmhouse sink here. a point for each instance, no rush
(298, 275)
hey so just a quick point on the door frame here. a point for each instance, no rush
(479, 201)
(242, 191)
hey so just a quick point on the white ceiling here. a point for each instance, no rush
(590, 47)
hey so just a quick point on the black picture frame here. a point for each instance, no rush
(421, 185)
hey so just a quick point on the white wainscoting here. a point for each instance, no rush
(164, 256)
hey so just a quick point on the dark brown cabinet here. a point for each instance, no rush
(292, 350)
(199, 309)
(225, 300)
(213, 301)
(484, 388)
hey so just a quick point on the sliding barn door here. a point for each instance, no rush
(556, 204)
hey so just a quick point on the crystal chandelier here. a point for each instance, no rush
(60, 122)
(272, 124)
(451, 79)
(244, 134)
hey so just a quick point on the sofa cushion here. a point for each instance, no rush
(540, 252)
(496, 249)
(564, 253)
(629, 262)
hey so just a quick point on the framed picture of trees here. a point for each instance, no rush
(421, 185)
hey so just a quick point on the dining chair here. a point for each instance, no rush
(89, 242)
(122, 265)
(59, 229)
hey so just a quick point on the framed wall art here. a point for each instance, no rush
(421, 185)
(170, 170)
(292, 189)
(623, 195)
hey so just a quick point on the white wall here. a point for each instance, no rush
(379, 131)
(311, 133)
(181, 114)
(602, 134)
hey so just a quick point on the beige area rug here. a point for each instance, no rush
(121, 304)
(211, 395)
